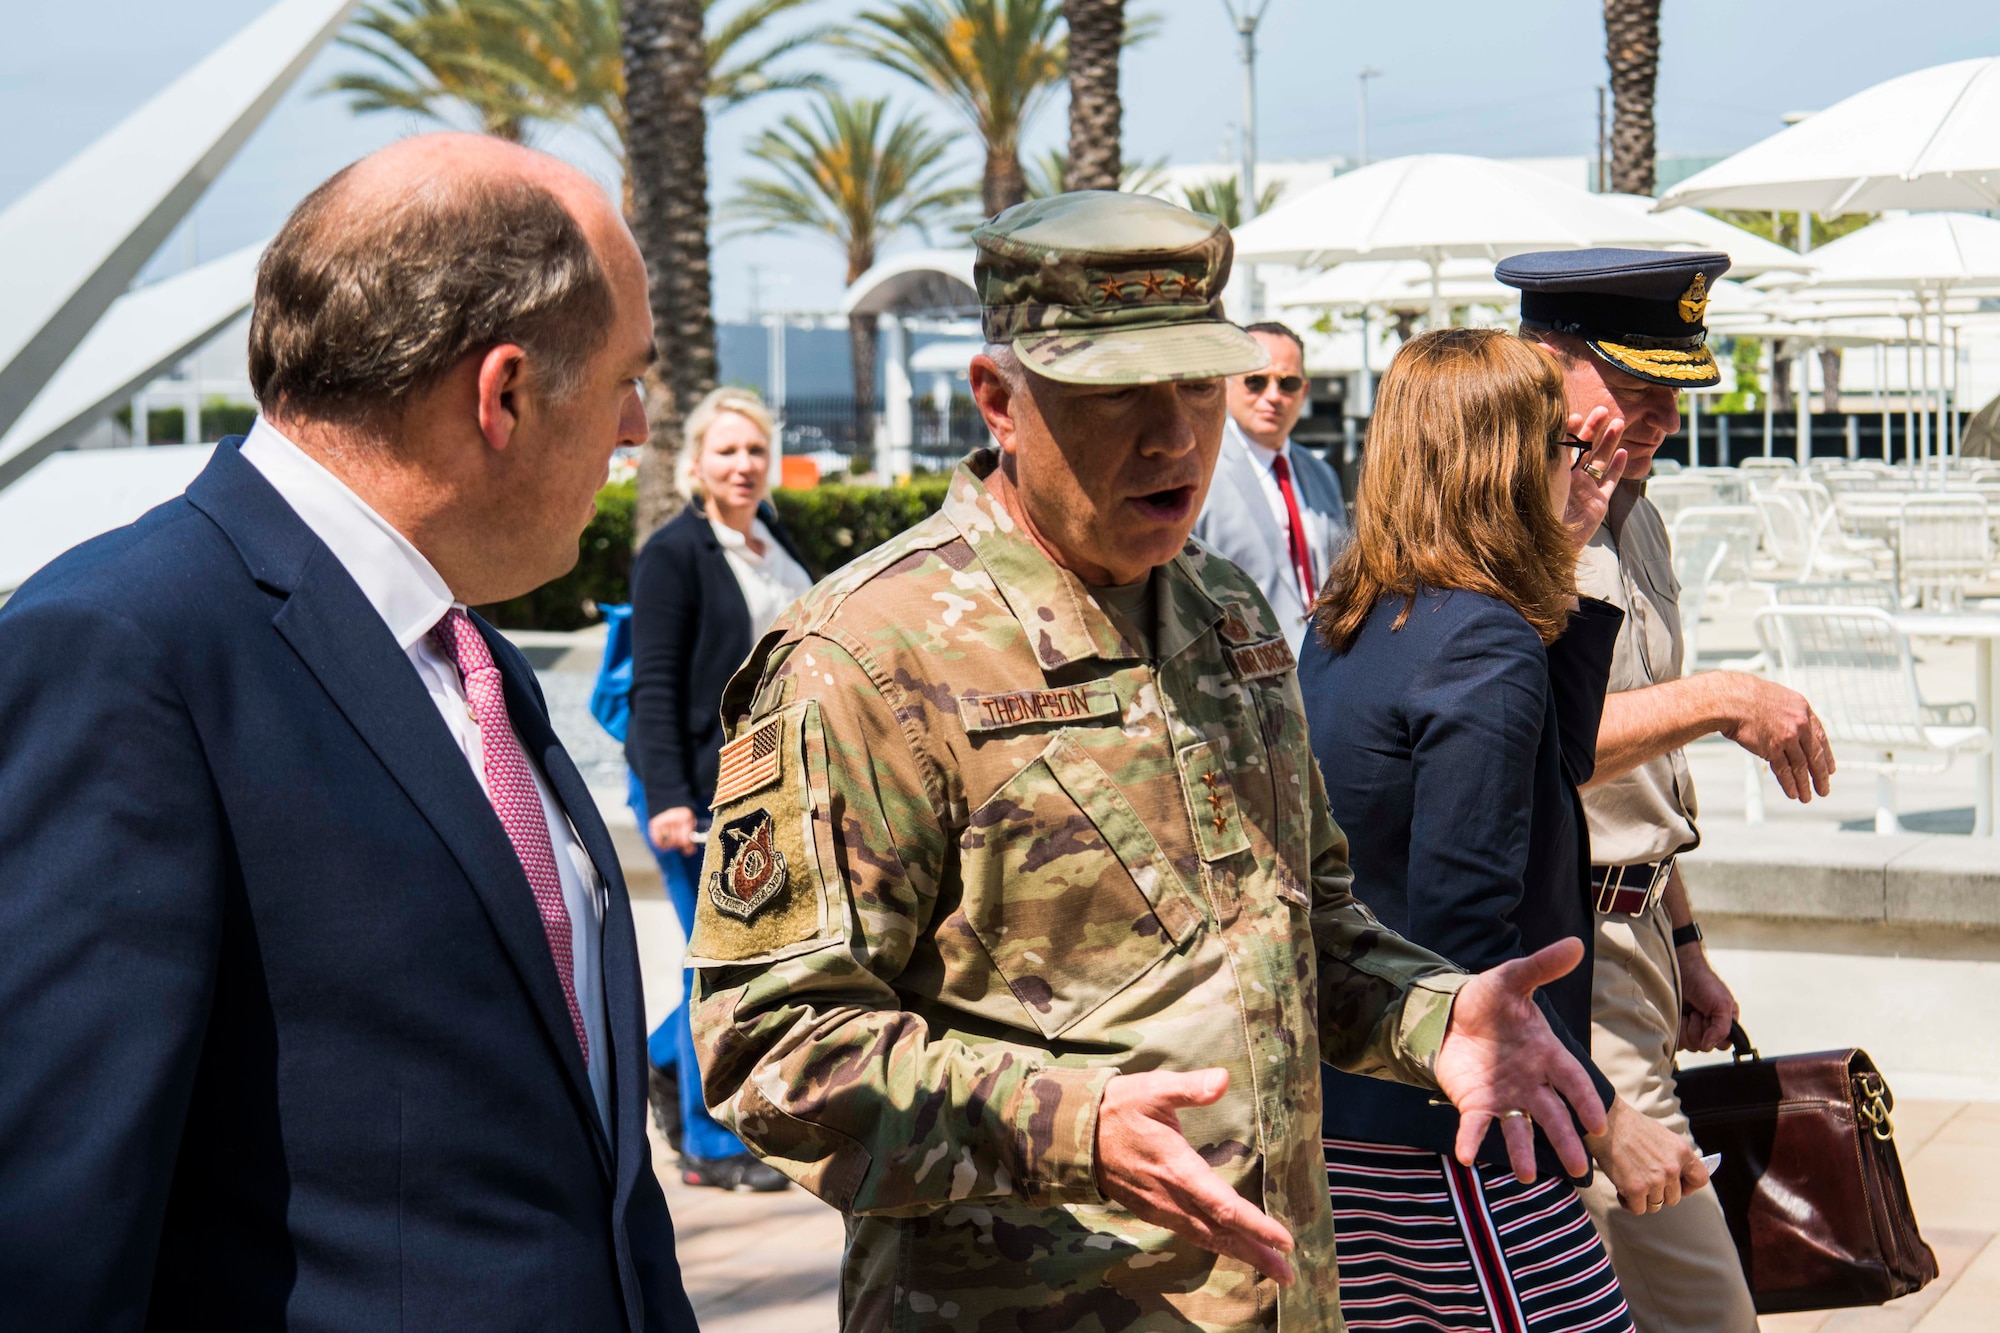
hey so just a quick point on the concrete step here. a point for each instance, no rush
(1819, 872)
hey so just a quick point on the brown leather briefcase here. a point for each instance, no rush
(1809, 1178)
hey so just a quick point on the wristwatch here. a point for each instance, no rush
(1686, 935)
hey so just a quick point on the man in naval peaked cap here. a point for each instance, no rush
(1629, 327)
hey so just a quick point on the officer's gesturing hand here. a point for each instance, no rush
(1779, 727)
(1500, 1056)
(1145, 1165)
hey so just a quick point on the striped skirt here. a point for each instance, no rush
(1426, 1243)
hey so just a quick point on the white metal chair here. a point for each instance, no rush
(1763, 467)
(1837, 592)
(1854, 666)
(1796, 542)
(1943, 543)
(1696, 560)
(1665, 467)
(1671, 494)
(1737, 529)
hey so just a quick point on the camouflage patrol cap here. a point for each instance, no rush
(1101, 287)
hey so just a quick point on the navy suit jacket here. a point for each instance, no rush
(284, 1045)
(1452, 750)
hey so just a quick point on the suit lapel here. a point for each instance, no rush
(343, 642)
(1277, 573)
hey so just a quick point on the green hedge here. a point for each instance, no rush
(832, 525)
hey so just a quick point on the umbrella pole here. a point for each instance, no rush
(1802, 435)
(1694, 429)
(1909, 398)
(1882, 395)
(1770, 387)
(1439, 315)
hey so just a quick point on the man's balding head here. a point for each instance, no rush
(431, 250)
(457, 328)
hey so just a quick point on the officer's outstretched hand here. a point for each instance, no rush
(1499, 1056)
(1145, 1165)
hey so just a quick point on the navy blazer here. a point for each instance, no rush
(1452, 750)
(690, 631)
(284, 1044)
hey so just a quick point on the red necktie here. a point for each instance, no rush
(1302, 559)
(510, 785)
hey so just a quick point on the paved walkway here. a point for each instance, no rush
(757, 1263)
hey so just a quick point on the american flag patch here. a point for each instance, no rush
(750, 762)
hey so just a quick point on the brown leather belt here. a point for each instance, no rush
(1630, 890)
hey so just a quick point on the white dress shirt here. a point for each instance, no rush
(770, 582)
(411, 598)
(1264, 463)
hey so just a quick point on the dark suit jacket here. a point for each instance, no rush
(284, 1044)
(1453, 766)
(690, 631)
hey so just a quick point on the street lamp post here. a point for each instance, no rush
(1246, 15)
(1361, 120)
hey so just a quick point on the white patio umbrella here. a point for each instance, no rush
(1929, 139)
(1928, 255)
(1398, 284)
(1436, 207)
(1749, 254)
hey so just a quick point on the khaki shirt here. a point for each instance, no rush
(974, 853)
(1649, 813)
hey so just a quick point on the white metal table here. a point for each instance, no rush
(1982, 628)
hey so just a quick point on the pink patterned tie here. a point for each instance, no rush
(510, 784)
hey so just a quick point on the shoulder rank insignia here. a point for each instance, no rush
(753, 870)
(1694, 301)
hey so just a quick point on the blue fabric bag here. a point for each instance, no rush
(611, 697)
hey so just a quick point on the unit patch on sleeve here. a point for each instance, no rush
(1256, 661)
(752, 870)
(993, 712)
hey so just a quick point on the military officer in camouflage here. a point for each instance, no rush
(1024, 926)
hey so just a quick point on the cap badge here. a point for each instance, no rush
(1694, 301)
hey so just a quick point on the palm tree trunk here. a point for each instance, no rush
(666, 73)
(1632, 49)
(1004, 183)
(1096, 32)
(861, 346)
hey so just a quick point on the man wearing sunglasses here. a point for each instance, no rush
(1274, 510)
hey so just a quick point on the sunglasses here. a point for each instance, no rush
(1289, 384)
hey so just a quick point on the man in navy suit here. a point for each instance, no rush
(319, 998)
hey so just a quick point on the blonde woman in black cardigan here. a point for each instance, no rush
(703, 588)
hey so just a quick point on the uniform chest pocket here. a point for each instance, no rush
(1067, 889)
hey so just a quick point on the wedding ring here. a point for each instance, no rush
(1513, 1115)
(1594, 470)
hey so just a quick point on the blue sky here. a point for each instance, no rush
(1463, 77)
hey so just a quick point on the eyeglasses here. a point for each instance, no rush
(1287, 385)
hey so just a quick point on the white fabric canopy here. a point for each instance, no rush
(1439, 206)
(1929, 139)
(1749, 254)
(1397, 284)
(1917, 252)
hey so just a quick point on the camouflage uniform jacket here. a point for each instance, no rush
(974, 854)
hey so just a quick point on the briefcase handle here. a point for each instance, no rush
(1739, 1043)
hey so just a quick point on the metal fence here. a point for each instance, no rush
(833, 424)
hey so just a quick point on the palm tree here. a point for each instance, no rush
(513, 62)
(995, 62)
(1222, 199)
(436, 54)
(1048, 174)
(1632, 49)
(854, 174)
(676, 71)
(1096, 36)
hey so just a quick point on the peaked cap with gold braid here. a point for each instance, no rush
(1641, 310)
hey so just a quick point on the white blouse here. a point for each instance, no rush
(770, 582)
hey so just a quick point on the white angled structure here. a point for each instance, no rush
(144, 334)
(71, 246)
